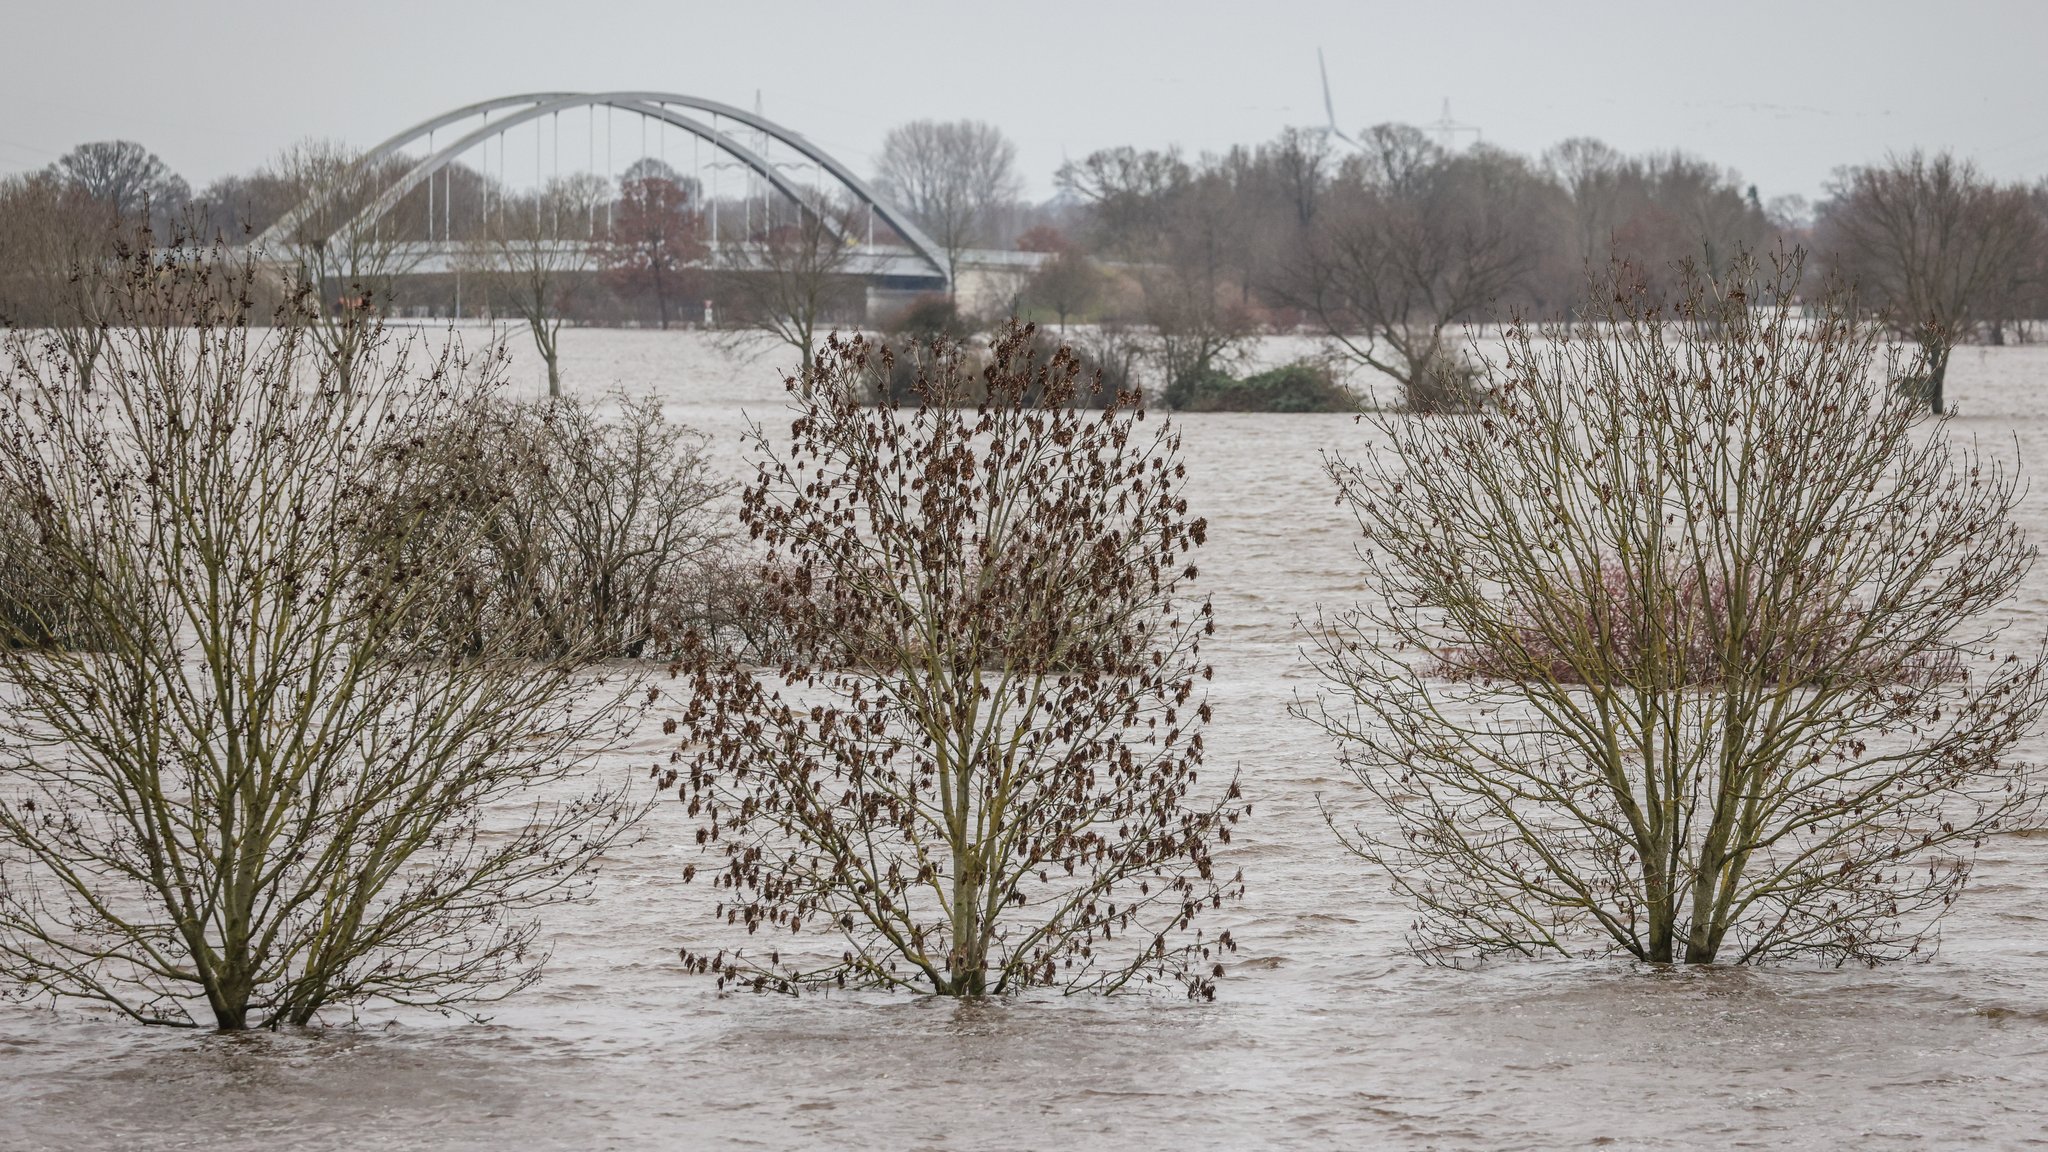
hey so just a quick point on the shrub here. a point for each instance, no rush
(1303, 386)
(892, 376)
(1448, 384)
(588, 536)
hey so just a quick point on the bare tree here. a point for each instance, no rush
(536, 255)
(978, 771)
(55, 242)
(952, 177)
(1199, 323)
(786, 282)
(1719, 218)
(1594, 177)
(345, 267)
(1417, 241)
(1068, 282)
(1933, 243)
(1683, 646)
(1125, 189)
(256, 795)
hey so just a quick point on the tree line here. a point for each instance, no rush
(1387, 249)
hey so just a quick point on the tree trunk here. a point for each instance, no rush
(968, 961)
(1937, 376)
(1659, 880)
(1703, 942)
(228, 995)
(546, 342)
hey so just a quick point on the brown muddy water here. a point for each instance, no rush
(1323, 1036)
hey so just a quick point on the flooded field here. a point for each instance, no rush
(1323, 1036)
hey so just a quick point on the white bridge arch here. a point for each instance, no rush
(661, 107)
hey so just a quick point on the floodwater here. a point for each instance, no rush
(1323, 1036)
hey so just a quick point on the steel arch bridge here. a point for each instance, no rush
(668, 108)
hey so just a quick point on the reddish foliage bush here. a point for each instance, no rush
(1676, 628)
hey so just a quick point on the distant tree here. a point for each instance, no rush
(1300, 166)
(344, 266)
(1684, 647)
(1933, 243)
(1044, 238)
(55, 241)
(656, 239)
(1278, 190)
(1417, 240)
(1068, 282)
(1653, 211)
(952, 177)
(535, 255)
(1700, 213)
(238, 206)
(126, 177)
(1192, 303)
(2028, 290)
(787, 281)
(978, 771)
(1125, 190)
(1593, 176)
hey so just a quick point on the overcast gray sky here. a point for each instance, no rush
(1783, 92)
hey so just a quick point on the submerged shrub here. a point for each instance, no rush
(932, 332)
(1672, 624)
(1303, 386)
(1449, 383)
(585, 535)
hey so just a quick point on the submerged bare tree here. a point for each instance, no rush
(1683, 647)
(787, 280)
(536, 254)
(344, 267)
(251, 793)
(1199, 321)
(1416, 241)
(1934, 243)
(978, 770)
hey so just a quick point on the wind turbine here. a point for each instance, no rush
(1330, 109)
